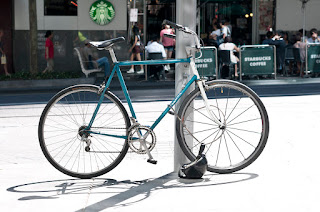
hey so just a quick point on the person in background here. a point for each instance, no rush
(286, 39)
(155, 47)
(314, 36)
(167, 42)
(210, 29)
(302, 47)
(225, 31)
(304, 38)
(228, 24)
(135, 50)
(214, 36)
(277, 40)
(49, 51)
(3, 54)
(228, 45)
(88, 56)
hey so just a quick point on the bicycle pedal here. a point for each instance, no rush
(153, 161)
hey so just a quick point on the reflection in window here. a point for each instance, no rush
(60, 7)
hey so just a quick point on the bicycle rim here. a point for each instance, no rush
(61, 122)
(237, 144)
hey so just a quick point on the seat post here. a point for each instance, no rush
(113, 56)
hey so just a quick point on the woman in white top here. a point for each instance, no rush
(228, 45)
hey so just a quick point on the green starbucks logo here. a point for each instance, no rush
(102, 12)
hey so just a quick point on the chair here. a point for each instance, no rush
(289, 59)
(280, 54)
(86, 64)
(297, 59)
(225, 67)
(156, 70)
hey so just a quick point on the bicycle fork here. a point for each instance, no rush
(201, 85)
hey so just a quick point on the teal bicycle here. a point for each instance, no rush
(85, 130)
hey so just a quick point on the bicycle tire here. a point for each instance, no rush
(60, 126)
(230, 148)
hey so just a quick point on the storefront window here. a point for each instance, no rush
(60, 8)
(238, 15)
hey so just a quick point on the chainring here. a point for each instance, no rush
(136, 136)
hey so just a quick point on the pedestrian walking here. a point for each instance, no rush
(3, 54)
(49, 51)
(168, 43)
(136, 50)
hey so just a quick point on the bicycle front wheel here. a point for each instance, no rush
(61, 132)
(231, 147)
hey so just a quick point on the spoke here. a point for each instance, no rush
(241, 113)
(233, 109)
(225, 141)
(102, 114)
(233, 128)
(218, 151)
(54, 136)
(65, 145)
(217, 102)
(199, 122)
(208, 117)
(68, 104)
(235, 144)
(77, 106)
(241, 138)
(249, 120)
(225, 112)
(59, 124)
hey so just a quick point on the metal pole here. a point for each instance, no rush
(304, 2)
(145, 35)
(186, 16)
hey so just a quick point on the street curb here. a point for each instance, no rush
(58, 84)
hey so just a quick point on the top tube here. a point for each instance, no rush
(154, 62)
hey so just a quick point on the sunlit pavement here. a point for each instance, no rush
(284, 178)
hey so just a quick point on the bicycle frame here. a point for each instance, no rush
(116, 69)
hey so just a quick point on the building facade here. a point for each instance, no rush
(71, 22)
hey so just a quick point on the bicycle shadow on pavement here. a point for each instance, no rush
(121, 193)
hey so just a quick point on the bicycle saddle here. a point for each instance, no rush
(107, 43)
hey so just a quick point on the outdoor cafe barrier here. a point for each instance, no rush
(257, 60)
(313, 58)
(207, 64)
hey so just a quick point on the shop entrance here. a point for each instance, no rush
(238, 15)
(238, 12)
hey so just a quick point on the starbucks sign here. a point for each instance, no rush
(102, 12)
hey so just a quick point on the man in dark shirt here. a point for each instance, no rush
(277, 41)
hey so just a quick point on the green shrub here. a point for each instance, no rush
(23, 75)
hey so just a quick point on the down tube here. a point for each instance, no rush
(194, 78)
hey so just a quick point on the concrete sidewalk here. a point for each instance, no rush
(283, 178)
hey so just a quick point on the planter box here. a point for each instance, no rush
(43, 84)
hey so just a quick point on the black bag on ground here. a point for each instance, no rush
(195, 169)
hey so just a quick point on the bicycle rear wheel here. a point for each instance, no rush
(60, 132)
(237, 144)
